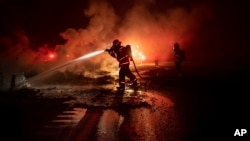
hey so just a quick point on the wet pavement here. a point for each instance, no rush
(166, 108)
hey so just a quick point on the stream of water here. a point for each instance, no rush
(87, 56)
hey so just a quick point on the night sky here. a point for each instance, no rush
(41, 20)
(209, 30)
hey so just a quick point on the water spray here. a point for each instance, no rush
(69, 63)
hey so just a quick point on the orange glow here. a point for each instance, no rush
(137, 54)
(51, 56)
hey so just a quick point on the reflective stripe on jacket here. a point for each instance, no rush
(122, 55)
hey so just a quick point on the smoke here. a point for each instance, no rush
(156, 32)
(153, 31)
(15, 53)
(141, 24)
(97, 35)
(18, 56)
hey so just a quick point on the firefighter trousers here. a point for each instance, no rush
(123, 72)
(178, 66)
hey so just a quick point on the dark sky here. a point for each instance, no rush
(220, 29)
(42, 20)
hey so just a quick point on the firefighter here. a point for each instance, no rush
(178, 58)
(123, 55)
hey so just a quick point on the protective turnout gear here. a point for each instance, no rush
(176, 47)
(179, 57)
(178, 53)
(116, 42)
(123, 55)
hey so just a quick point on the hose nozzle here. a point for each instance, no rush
(107, 50)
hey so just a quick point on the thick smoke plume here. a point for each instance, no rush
(141, 25)
(154, 32)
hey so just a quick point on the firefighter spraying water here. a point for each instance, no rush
(123, 55)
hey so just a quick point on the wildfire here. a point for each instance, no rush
(137, 54)
(45, 53)
(51, 56)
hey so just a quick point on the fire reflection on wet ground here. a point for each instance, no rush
(99, 112)
(95, 115)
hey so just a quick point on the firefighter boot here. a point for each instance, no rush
(121, 88)
(135, 84)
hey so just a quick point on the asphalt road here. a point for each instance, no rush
(201, 105)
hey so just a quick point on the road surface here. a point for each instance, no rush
(166, 108)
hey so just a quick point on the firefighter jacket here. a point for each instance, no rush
(122, 54)
(179, 55)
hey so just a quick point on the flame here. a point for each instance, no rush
(137, 54)
(51, 56)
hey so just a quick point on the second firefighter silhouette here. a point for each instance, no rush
(123, 54)
(179, 57)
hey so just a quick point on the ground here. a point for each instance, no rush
(200, 105)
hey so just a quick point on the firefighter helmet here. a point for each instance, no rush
(176, 46)
(116, 42)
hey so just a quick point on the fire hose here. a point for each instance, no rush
(136, 69)
(145, 83)
(133, 63)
